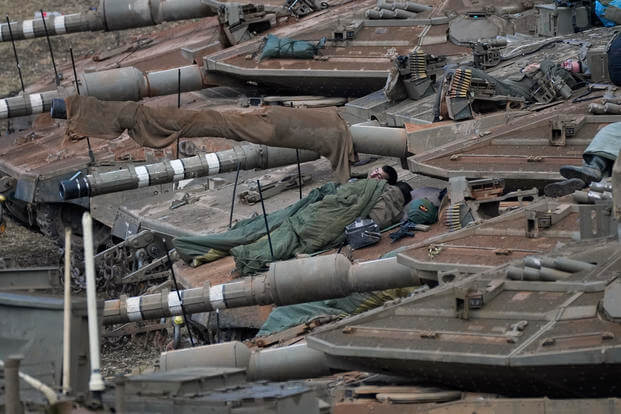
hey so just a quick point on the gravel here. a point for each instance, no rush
(129, 357)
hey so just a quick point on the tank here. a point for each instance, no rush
(538, 298)
(545, 333)
(37, 153)
(489, 332)
(412, 106)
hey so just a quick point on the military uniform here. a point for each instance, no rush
(389, 208)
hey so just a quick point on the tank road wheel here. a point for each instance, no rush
(52, 220)
(49, 221)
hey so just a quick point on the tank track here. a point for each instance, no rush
(52, 219)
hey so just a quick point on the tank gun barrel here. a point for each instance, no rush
(131, 177)
(367, 138)
(285, 283)
(274, 364)
(112, 15)
(122, 84)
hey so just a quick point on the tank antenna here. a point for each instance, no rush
(234, 192)
(49, 45)
(91, 155)
(267, 227)
(75, 74)
(19, 68)
(297, 154)
(178, 102)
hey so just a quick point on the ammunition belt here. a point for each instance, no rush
(460, 83)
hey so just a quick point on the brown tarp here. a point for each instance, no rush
(319, 130)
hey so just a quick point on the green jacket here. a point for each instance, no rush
(389, 208)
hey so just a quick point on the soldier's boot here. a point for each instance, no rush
(59, 109)
(562, 188)
(593, 171)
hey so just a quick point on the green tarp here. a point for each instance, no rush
(284, 317)
(309, 225)
(245, 231)
(283, 47)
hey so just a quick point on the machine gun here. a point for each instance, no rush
(239, 22)
(301, 8)
(486, 53)
(414, 75)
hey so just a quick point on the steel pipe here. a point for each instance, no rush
(96, 382)
(285, 283)
(67, 315)
(559, 263)
(12, 401)
(601, 187)
(411, 6)
(403, 5)
(404, 14)
(530, 273)
(590, 197)
(607, 108)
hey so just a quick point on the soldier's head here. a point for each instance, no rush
(406, 190)
(572, 65)
(384, 173)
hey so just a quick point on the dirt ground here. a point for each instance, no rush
(34, 55)
(126, 358)
(20, 246)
